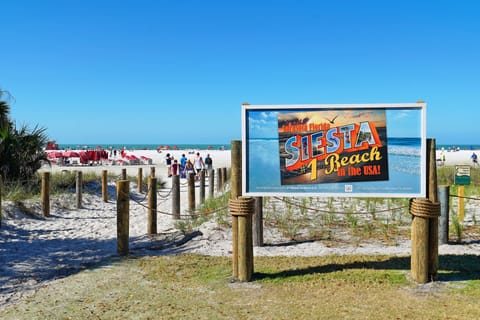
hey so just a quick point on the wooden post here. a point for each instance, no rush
(124, 174)
(123, 207)
(176, 197)
(419, 259)
(191, 191)
(461, 203)
(444, 198)
(45, 194)
(152, 206)
(243, 208)
(219, 180)
(202, 186)
(211, 183)
(258, 223)
(78, 189)
(152, 172)
(104, 186)
(224, 178)
(140, 180)
(432, 191)
(236, 191)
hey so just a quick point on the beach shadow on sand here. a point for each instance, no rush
(451, 268)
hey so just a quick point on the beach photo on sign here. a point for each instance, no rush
(332, 146)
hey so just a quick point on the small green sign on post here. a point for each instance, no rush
(462, 175)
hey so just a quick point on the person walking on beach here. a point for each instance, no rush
(183, 163)
(188, 169)
(168, 162)
(474, 158)
(199, 164)
(208, 164)
(175, 167)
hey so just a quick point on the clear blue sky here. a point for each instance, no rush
(177, 71)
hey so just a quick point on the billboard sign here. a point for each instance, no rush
(334, 150)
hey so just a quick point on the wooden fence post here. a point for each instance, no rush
(236, 191)
(225, 178)
(140, 180)
(202, 186)
(243, 208)
(45, 194)
(219, 180)
(152, 172)
(123, 208)
(424, 259)
(124, 174)
(258, 223)
(444, 198)
(191, 191)
(104, 186)
(211, 183)
(152, 206)
(432, 192)
(78, 189)
(176, 196)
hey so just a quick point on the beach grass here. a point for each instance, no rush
(200, 287)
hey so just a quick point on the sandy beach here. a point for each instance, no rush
(34, 250)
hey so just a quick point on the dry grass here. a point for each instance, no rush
(200, 287)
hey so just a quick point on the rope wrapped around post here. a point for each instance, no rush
(242, 209)
(424, 208)
(242, 206)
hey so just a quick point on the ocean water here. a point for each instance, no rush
(145, 146)
(404, 165)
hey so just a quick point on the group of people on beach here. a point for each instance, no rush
(186, 166)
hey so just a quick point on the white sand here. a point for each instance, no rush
(34, 251)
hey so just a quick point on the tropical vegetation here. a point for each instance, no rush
(21, 148)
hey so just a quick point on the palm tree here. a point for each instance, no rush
(21, 150)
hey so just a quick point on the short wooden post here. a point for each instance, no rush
(124, 174)
(461, 203)
(219, 180)
(176, 197)
(243, 208)
(202, 186)
(432, 191)
(191, 191)
(140, 180)
(258, 223)
(45, 194)
(78, 189)
(211, 183)
(152, 172)
(444, 198)
(123, 207)
(105, 185)
(152, 206)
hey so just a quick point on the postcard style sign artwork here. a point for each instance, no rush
(347, 150)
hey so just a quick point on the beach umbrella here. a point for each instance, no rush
(70, 154)
(55, 154)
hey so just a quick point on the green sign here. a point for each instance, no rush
(462, 175)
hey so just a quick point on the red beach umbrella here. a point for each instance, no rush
(70, 154)
(55, 154)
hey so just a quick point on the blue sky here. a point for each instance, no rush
(101, 71)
